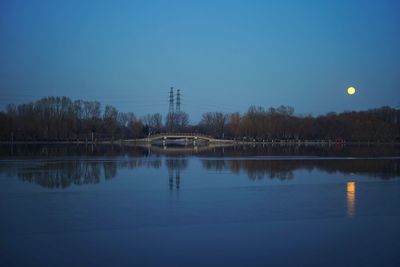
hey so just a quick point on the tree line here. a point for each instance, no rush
(260, 124)
(60, 118)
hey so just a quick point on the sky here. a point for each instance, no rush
(223, 55)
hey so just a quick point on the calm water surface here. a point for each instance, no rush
(237, 206)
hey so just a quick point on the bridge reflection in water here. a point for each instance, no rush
(351, 197)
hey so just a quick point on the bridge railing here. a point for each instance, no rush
(180, 134)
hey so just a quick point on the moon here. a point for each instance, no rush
(351, 90)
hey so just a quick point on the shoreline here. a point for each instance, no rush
(141, 142)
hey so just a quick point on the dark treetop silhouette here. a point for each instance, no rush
(60, 118)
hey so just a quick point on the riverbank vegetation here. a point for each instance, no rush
(60, 118)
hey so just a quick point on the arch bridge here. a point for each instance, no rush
(180, 136)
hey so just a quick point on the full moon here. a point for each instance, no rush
(351, 90)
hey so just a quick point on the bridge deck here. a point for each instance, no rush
(178, 137)
(190, 136)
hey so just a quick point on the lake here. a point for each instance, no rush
(223, 206)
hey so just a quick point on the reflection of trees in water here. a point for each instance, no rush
(56, 150)
(79, 171)
(283, 169)
(303, 150)
(255, 169)
(47, 150)
(385, 169)
(175, 166)
(63, 174)
(110, 170)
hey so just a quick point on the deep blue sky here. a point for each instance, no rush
(224, 55)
